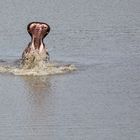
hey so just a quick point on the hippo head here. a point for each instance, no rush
(38, 29)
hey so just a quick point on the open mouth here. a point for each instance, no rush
(36, 49)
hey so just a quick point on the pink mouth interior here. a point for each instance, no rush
(37, 33)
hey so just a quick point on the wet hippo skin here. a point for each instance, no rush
(36, 49)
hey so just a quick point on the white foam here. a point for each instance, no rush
(34, 65)
(41, 69)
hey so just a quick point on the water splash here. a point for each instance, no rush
(41, 68)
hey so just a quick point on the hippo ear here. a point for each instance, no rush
(48, 30)
(28, 28)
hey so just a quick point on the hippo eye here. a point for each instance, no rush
(45, 27)
(32, 26)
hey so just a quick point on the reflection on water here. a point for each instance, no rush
(37, 84)
(38, 90)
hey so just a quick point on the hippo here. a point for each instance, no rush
(36, 49)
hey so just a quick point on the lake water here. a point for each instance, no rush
(98, 101)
